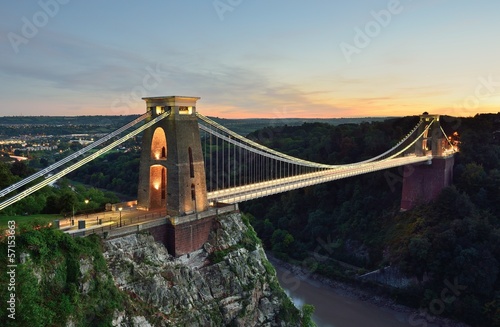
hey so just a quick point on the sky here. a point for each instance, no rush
(251, 58)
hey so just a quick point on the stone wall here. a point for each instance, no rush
(188, 237)
(423, 183)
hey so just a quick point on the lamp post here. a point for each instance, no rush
(120, 209)
(86, 207)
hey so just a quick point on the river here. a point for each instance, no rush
(337, 308)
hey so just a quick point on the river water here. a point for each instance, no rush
(335, 308)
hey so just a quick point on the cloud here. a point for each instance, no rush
(60, 66)
(61, 61)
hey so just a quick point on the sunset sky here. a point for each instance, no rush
(251, 58)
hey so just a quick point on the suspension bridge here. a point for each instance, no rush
(190, 163)
(249, 170)
(239, 169)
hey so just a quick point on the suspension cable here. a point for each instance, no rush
(72, 156)
(446, 137)
(284, 157)
(80, 163)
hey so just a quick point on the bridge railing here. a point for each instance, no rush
(113, 222)
(113, 228)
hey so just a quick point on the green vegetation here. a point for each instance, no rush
(219, 255)
(246, 126)
(53, 284)
(307, 312)
(249, 241)
(64, 200)
(117, 171)
(44, 219)
(353, 225)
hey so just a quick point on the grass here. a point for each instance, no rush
(43, 218)
(48, 283)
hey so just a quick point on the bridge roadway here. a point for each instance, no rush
(258, 190)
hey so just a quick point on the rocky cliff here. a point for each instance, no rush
(133, 281)
(229, 282)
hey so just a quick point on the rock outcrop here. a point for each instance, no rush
(229, 282)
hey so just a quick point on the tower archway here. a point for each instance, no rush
(158, 186)
(159, 145)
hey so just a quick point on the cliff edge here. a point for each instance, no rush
(133, 281)
(229, 282)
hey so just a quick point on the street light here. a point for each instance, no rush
(86, 207)
(120, 209)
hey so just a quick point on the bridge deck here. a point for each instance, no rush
(254, 191)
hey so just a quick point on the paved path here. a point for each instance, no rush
(112, 219)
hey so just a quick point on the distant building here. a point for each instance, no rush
(82, 142)
(19, 158)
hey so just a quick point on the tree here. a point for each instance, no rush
(67, 201)
(33, 204)
(472, 178)
(307, 312)
(6, 176)
(418, 249)
(19, 168)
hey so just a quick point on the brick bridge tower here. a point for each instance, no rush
(172, 172)
(423, 182)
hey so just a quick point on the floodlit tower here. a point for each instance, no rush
(172, 171)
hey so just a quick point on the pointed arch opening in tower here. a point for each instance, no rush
(158, 187)
(159, 144)
(193, 197)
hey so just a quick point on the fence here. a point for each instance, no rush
(132, 225)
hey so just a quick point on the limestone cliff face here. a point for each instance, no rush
(227, 283)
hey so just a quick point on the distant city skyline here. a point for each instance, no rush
(251, 59)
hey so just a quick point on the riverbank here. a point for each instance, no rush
(340, 304)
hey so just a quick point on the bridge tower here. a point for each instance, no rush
(433, 140)
(172, 172)
(423, 182)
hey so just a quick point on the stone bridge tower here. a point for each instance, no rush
(423, 182)
(172, 172)
(433, 139)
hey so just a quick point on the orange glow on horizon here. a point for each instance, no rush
(321, 109)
